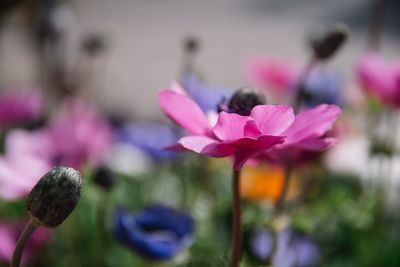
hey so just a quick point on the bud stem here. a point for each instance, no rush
(19, 249)
(298, 98)
(376, 26)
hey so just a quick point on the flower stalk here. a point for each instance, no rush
(376, 26)
(23, 239)
(236, 220)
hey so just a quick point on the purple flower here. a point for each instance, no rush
(208, 98)
(322, 87)
(287, 249)
(157, 233)
(151, 138)
(295, 250)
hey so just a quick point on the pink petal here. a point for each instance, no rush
(183, 111)
(231, 126)
(320, 144)
(271, 119)
(312, 123)
(251, 148)
(207, 146)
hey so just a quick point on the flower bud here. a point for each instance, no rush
(94, 44)
(325, 45)
(244, 100)
(55, 196)
(191, 44)
(104, 177)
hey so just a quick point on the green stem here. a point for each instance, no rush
(102, 234)
(19, 249)
(281, 200)
(236, 220)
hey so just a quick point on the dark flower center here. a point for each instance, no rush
(244, 100)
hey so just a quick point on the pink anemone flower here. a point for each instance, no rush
(270, 73)
(78, 135)
(380, 79)
(233, 135)
(20, 107)
(268, 128)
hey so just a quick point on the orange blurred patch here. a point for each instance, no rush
(265, 184)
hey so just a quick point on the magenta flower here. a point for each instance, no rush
(272, 128)
(279, 75)
(380, 79)
(9, 233)
(25, 161)
(233, 135)
(78, 135)
(20, 107)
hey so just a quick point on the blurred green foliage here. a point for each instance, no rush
(350, 224)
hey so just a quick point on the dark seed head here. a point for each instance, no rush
(94, 44)
(191, 44)
(104, 177)
(327, 43)
(55, 196)
(244, 100)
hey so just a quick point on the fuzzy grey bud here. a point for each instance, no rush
(327, 43)
(55, 196)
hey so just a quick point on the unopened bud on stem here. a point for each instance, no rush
(325, 44)
(55, 196)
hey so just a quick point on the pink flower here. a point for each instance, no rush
(25, 161)
(273, 74)
(267, 128)
(78, 135)
(20, 107)
(232, 135)
(380, 79)
(9, 233)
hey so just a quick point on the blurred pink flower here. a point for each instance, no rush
(20, 107)
(273, 74)
(380, 79)
(26, 160)
(270, 129)
(9, 233)
(78, 135)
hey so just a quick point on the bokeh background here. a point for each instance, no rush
(145, 41)
(92, 70)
